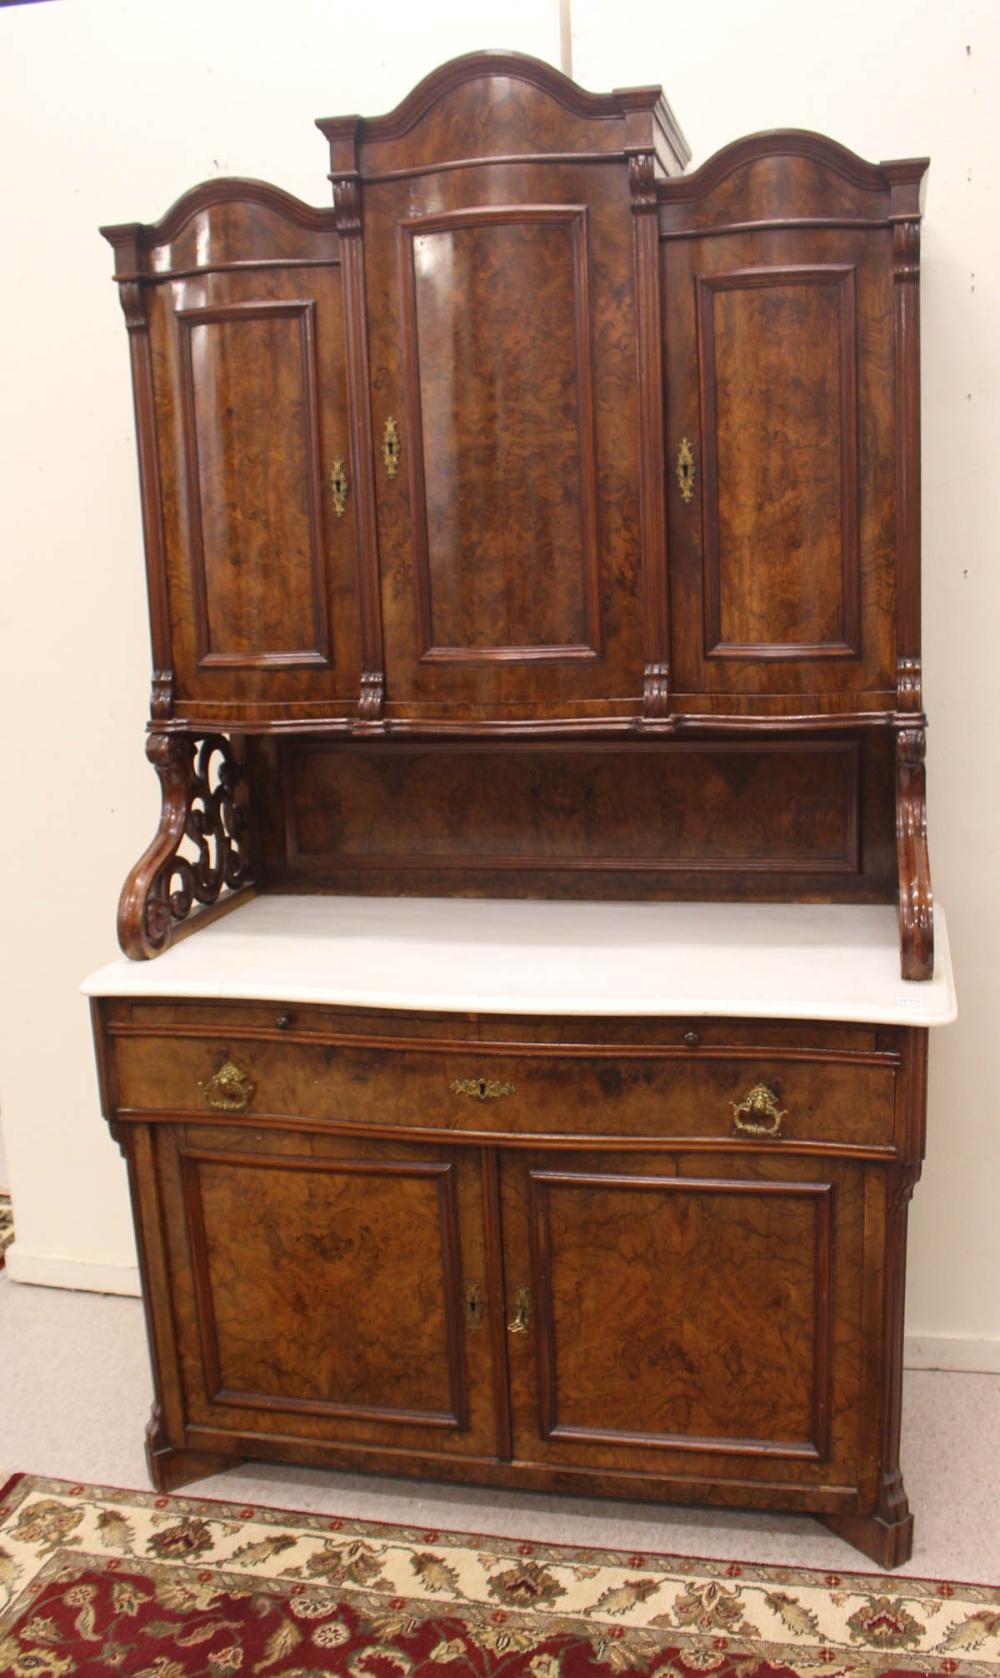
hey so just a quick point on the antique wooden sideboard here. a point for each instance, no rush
(533, 553)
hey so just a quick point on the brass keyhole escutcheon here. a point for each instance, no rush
(475, 1311)
(522, 1312)
(230, 1091)
(391, 447)
(758, 1114)
(482, 1089)
(339, 486)
(685, 470)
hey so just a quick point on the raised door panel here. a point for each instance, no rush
(252, 421)
(781, 493)
(499, 403)
(320, 1287)
(505, 409)
(692, 1316)
(781, 456)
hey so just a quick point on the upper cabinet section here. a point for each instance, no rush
(235, 308)
(531, 430)
(516, 546)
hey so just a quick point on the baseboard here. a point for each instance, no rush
(947, 1351)
(49, 1271)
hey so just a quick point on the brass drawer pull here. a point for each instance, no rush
(761, 1104)
(230, 1091)
(482, 1089)
(522, 1312)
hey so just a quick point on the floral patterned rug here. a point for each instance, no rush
(96, 1582)
(6, 1226)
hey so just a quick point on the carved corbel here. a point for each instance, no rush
(656, 691)
(202, 849)
(161, 697)
(642, 182)
(906, 250)
(347, 202)
(916, 900)
(371, 704)
(909, 685)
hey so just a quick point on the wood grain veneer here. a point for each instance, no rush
(536, 520)
(750, 1284)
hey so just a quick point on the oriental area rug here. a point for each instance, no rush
(99, 1583)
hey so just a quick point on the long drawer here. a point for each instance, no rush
(719, 1084)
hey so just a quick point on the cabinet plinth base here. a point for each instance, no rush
(889, 1544)
(170, 1467)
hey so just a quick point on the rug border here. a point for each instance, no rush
(506, 1537)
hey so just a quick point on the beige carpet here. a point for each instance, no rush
(75, 1393)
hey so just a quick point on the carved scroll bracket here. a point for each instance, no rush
(202, 848)
(916, 899)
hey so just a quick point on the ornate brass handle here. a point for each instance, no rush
(230, 1091)
(339, 486)
(482, 1089)
(685, 470)
(391, 447)
(522, 1312)
(762, 1114)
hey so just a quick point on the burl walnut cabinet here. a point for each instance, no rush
(539, 523)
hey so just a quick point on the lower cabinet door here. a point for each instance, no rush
(326, 1289)
(694, 1316)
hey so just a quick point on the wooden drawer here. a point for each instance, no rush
(824, 1096)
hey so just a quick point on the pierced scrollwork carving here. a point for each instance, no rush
(916, 899)
(203, 846)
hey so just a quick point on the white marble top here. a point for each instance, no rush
(787, 960)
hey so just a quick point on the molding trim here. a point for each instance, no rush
(129, 238)
(52, 1270)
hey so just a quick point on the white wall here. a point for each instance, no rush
(108, 110)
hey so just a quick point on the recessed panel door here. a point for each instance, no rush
(684, 1317)
(330, 1289)
(780, 463)
(258, 505)
(506, 421)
